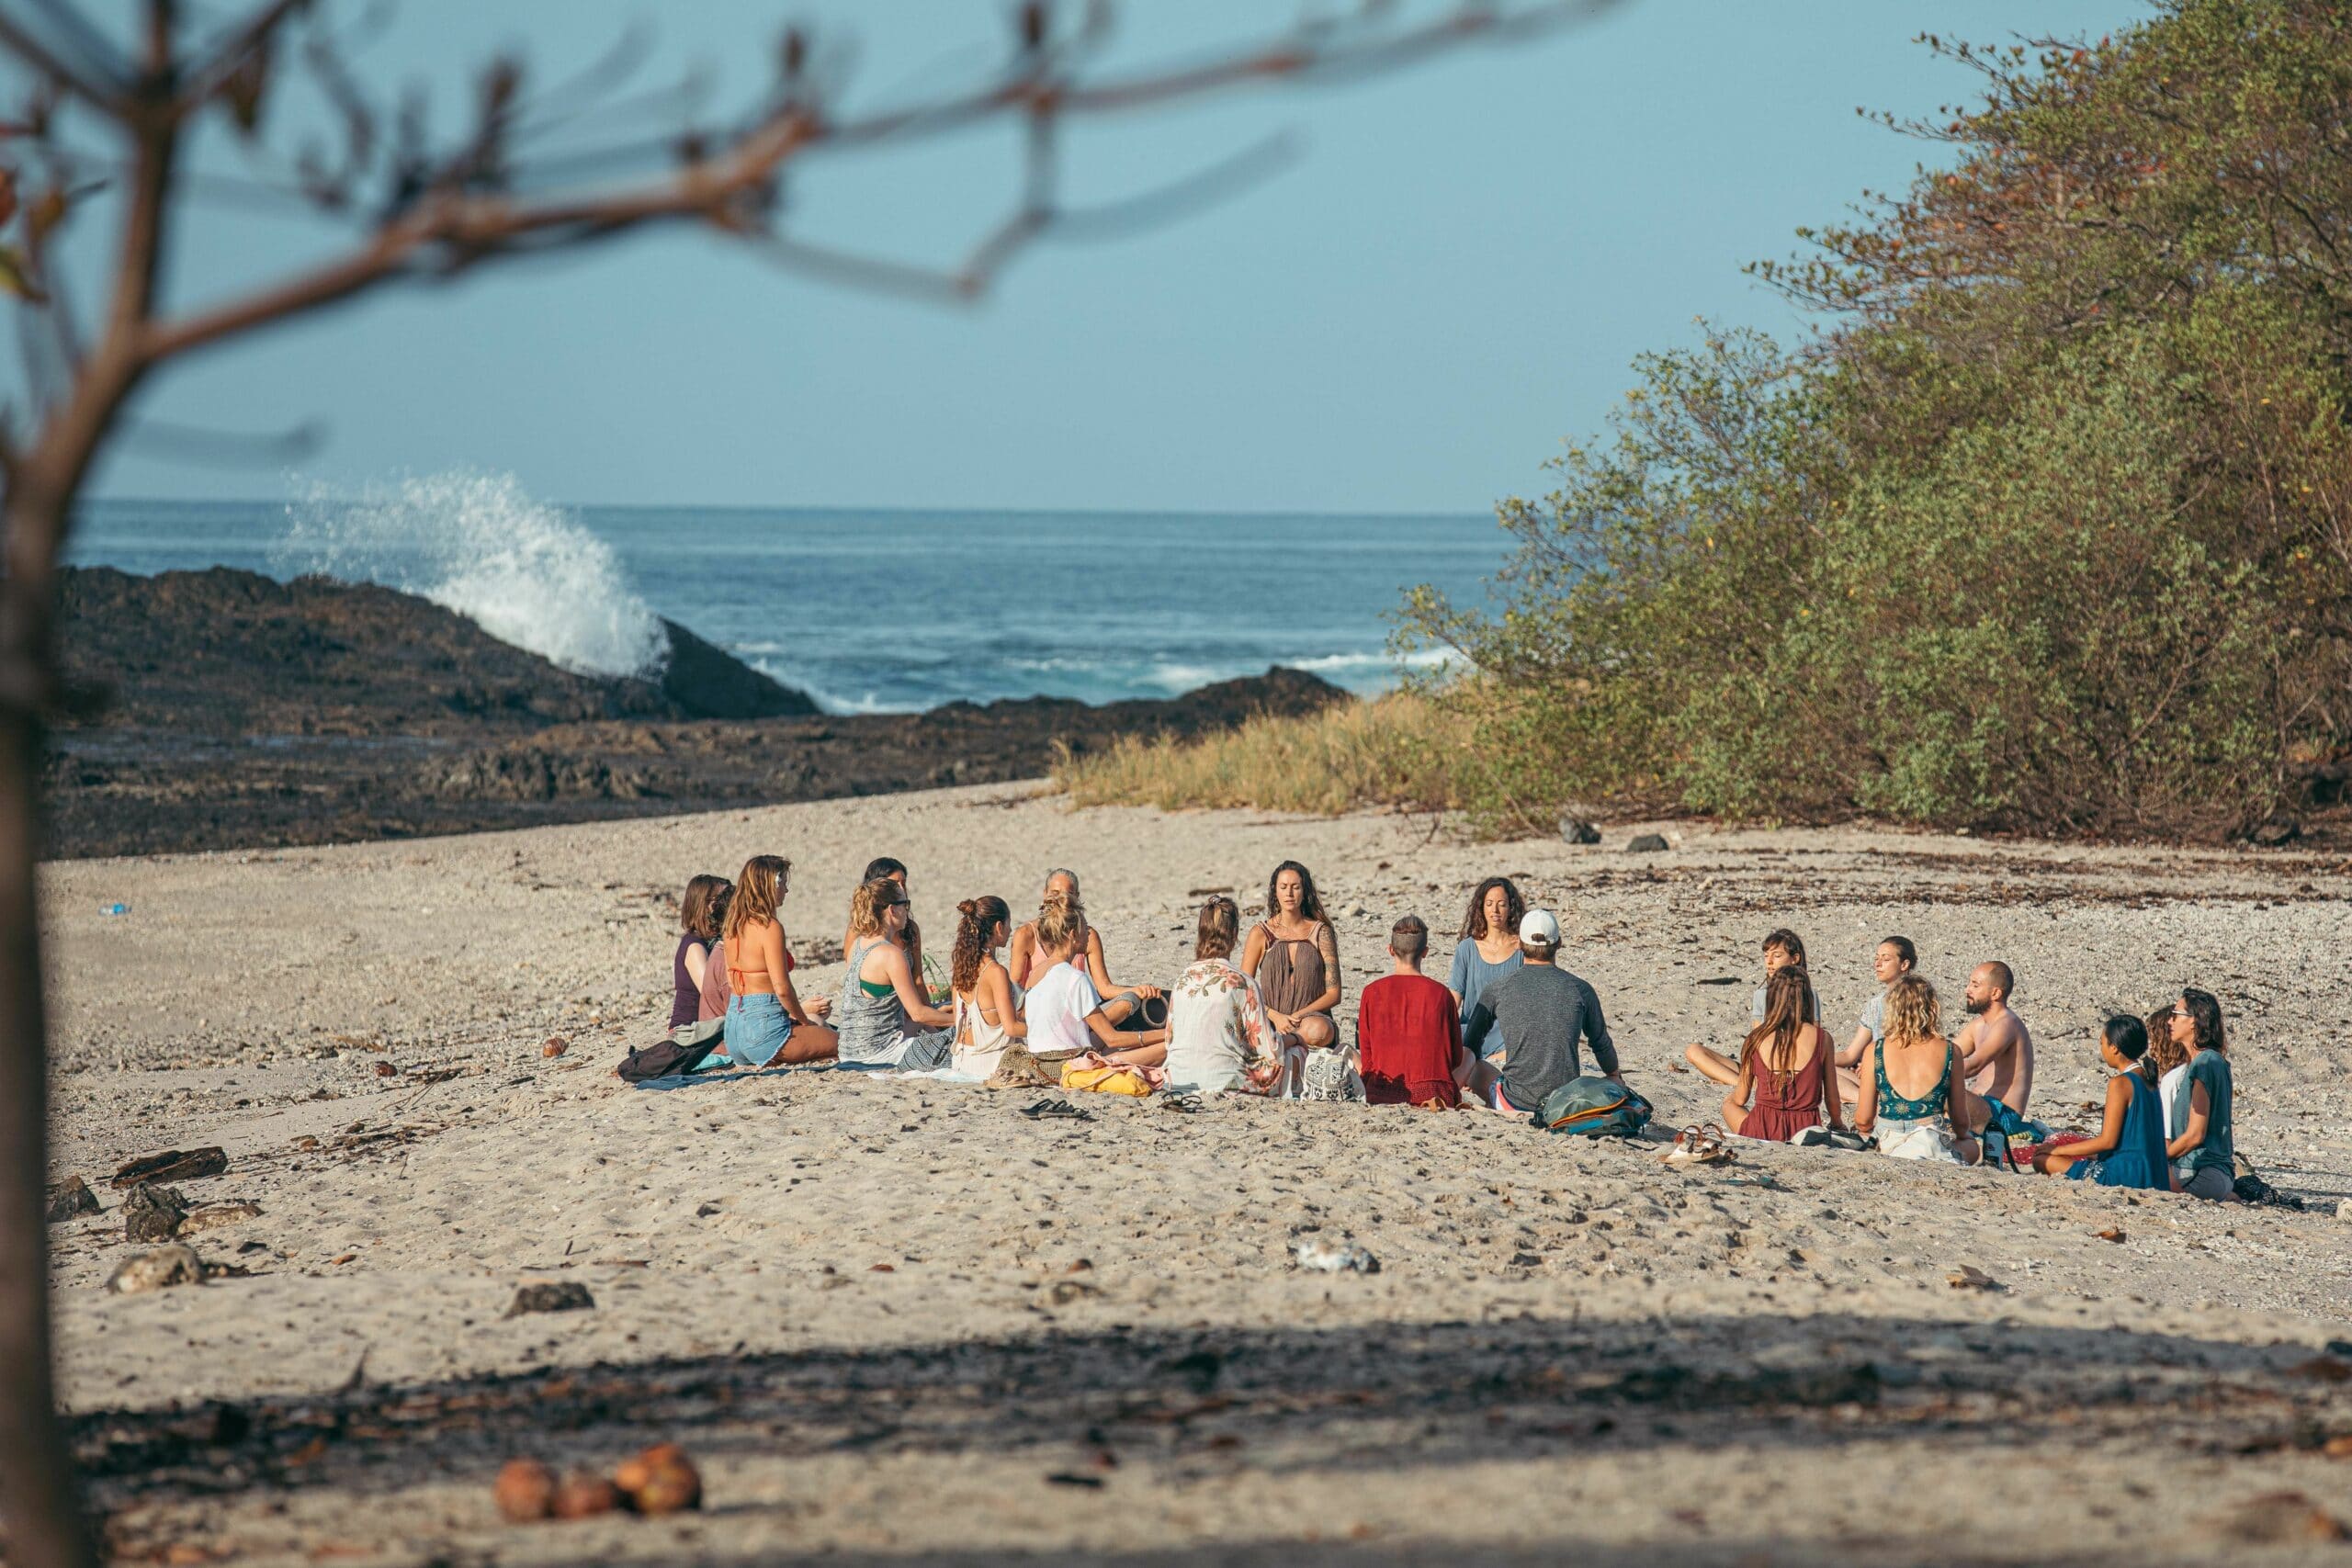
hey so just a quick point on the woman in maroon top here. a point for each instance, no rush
(1409, 1028)
(1784, 1067)
(701, 913)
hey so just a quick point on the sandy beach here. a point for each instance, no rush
(896, 1323)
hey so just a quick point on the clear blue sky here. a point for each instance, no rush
(1449, 281)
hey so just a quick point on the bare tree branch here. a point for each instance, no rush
(94, 87)
(437, 213)
(257, 34)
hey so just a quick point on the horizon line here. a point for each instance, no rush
(821, 507)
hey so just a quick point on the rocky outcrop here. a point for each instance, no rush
(224, 710)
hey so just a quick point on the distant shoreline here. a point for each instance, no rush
(226, 710)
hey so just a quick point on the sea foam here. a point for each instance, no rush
(525, 571)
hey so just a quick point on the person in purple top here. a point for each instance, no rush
(700, 914)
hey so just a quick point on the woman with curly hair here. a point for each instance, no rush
(987, 1004)
(2167, 1062)
(1913, 1096)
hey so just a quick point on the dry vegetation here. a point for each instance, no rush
(1399, 749)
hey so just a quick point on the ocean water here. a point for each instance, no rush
(867, 611)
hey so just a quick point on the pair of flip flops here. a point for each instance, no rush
(1055, 1109)
(1698, 1146)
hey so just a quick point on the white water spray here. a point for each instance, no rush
(526, 573)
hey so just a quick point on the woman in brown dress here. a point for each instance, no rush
(1294, 958)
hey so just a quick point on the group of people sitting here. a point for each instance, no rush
(1506, 1030)
(2166, 1124)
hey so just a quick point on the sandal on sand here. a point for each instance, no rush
(1698, 1146)
(1188, 1103)
(1056, 1110)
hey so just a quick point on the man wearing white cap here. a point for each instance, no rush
(1542, 1010)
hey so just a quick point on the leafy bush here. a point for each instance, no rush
(2049, 529)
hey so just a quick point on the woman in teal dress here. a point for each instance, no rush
(2129, 1149)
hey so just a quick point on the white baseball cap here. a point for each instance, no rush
(1540, 926)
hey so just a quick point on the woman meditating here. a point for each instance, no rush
(909, 938)
(1217, 1036)
(2129, 1149)
(1487, 947)
(700, 914)
(2167, 1063)
(1784, 1083)
(1294, 958)
(1028, 963)
(1067, 1015)
(1783, 949)
(883, 1018)
(987, 1004)
(2203, 1147)
(1912, 1096)
(765, 1022)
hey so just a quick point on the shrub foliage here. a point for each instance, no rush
(2048, 527)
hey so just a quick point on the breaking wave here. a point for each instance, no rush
(527, 572)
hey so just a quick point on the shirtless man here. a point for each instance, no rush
(1895, 958)
(1996, 1047)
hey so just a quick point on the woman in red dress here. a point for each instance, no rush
(1785, 1084)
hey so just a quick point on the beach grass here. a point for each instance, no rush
(1389, 751)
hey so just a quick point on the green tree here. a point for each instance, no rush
(2044, 529)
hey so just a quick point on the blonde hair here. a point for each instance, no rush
(1912, 1012)
(868, 904)
(760, 886)
(1061, 925)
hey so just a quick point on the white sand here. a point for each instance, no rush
(1569, 1346)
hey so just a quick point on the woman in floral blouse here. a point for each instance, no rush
(1217, 1034)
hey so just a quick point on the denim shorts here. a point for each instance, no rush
(756, 1029)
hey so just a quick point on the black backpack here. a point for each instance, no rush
(664, 1058)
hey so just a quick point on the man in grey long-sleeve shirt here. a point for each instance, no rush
(1542, 1011)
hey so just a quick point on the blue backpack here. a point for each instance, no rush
(1593, 1108)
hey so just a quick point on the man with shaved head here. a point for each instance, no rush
(1997, 1049)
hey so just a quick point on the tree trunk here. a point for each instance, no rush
(38, 1495)
(38, 1498)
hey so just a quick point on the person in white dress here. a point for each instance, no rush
(987, 1004)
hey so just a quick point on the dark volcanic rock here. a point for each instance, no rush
(529, 774)
(152, 1213)
(234, 653)
(706, 682)
(69, 1199)
(561, 1296)
(247, 712)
